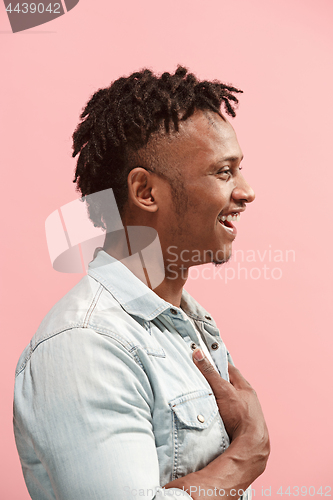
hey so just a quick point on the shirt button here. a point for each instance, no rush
(201, 418)
(193, 346)
(173, 311)
(208, 317)
(215, 346)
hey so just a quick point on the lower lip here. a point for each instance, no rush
(230, 230)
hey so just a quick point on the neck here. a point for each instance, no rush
(118, 245)
(171, 288)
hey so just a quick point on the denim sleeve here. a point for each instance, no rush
(83, 424)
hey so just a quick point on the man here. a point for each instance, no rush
(109, 402)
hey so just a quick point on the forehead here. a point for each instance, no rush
(205, 139)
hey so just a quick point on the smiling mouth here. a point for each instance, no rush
(225, 221)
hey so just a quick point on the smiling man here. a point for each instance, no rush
(128, 390)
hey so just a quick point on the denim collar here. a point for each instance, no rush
(134, 296)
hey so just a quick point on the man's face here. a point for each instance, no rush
(207, 155)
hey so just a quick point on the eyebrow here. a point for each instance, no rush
(230, 158)
(227, 158)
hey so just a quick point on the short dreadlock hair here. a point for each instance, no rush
(120, 119)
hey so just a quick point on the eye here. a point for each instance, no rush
(224, 173)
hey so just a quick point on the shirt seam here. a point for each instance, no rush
(131, 348)
(93, 305)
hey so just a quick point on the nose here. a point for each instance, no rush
(242, 191)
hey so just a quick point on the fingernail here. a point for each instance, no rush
(198, 355)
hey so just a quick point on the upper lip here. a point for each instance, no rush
(234, 211)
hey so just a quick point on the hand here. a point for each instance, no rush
(246, 457)
(237, 401)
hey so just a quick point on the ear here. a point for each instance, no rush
(141, 189)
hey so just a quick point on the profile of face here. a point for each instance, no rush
(192, 213)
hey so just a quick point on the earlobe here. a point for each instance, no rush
(140, 189)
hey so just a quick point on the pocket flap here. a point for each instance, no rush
(196, 409)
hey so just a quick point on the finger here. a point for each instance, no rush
(220, 387)
(236, 378)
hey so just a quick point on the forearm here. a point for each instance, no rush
(230, 474)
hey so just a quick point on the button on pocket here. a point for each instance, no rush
(188, 407)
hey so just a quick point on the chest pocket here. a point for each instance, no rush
(198, 432)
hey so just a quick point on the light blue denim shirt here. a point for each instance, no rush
(108, 402)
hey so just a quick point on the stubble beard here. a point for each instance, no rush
(218, 262)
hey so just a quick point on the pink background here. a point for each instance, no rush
(279, 331)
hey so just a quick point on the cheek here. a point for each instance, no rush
(204, 204)
(219, 194)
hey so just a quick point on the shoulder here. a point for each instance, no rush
(87, 315)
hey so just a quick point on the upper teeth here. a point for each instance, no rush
(234, 217)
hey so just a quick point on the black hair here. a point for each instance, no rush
(122, 117)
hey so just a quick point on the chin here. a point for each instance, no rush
(220, 262)
(221, 257)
